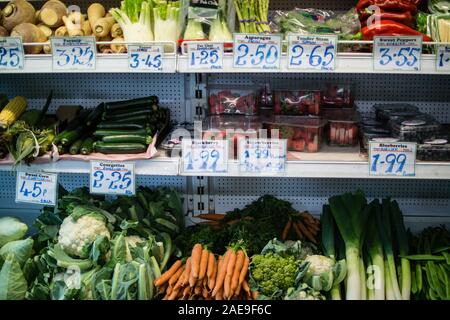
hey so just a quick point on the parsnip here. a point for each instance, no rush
(46, 30)
(73, 24)
(52, 13)
(61, 31)
(3, 32)
(95, 12)
(102, 26)
(29, 33)
(118, 48)
(47, 49)
(17, 12)
(103, 46)
(116, 31)
(86, 27)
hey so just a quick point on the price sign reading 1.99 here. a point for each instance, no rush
(392, 159)
(112, 178)
(145, 58)
(205, 56)
(204, 156)
(75, 53)
(11, 53)
(397, 53)
(312, 52)
(265, 156)
(36, 187)
(253, 51)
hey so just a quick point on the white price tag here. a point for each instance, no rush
(205, 56)
(397, 53)
(109, 177)
(443, 58)
(263, 156)
(37, 187)
(312, 52)
(11, 53)
(74, 53)
(392, 159)
(257, 51)
(205, 156)
(145, 57)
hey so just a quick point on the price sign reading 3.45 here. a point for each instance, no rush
(205, 56)
(205, 156)
(75, 53)
(392, 159)
(145, 58)
(312, 52)
(397, 53)
(11, 53)
(112, 178)
(257, 51)
(443, 58)
(35, 187)
(263, 156)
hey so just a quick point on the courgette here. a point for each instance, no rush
(131, 119)
(128, 138)
(115, 125)
(95, 115)
(110, 132)
(62, 149)
(87, 146)
(119, 148)
(71, 136)
(125, 104)
(119, 113)
(76, 146)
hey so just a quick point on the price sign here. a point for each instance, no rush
(145, 58)
(392, 159)
(312, 52)
(205, 56)
(205, 156)
(443, 58)
(262, 156)
(109, 177)
(257, 51)
(35, 187)
(74, 53)
(397, 53)
(11, 53)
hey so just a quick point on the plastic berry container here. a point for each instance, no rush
(383, 112)
(296, 102)
(416, 129)
(434, 150)
(232, 100)
(338, 95)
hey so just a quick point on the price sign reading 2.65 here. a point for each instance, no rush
(397, 53)
(37, 187)
(75, 53)
(112, 178)
(11, 53)
(392, 159)
(205, 156)
(145, 58)
(257, 51)
(312, 52)
(205, 56)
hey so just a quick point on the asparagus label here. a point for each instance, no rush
(264, 156)
(74, 53)
(312, 52)
(11, 53)
(392, 159)
(146, 58)
(257, 51)
(397, 53)
(204, 156)
(37, 187)
(205, 56)
(443, 58)
(107, 177)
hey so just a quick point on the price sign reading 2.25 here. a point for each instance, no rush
(392, 159)
(397, 53)
(205, 156)
(145, 58)
(205, 56)
(11, 53)
(112, 178)
(312, 52)
(75, 53)
(37, 187)
(253, 51)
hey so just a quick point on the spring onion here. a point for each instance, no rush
(134, 17)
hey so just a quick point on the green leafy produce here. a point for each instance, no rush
(11, 229)
(303, 292)
(13, 285)
(21, 249)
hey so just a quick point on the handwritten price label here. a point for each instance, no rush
(312, 52)
(392, 159)
(205, 156)
(145, 58)
(397, 53)
(38, 188)
(443, 58)
(74, 53)
(263, 156)
(112, 178)
(257, 51)
(205, 56)
(11, 53)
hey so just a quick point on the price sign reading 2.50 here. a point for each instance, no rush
(36, 187)
(397, 53)
(75, 53)
(312, 52)
(145, 58)
(257, 51)
(205, 156)
(112, 178)
(392, 159)
(11, 53)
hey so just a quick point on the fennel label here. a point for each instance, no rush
(312, 52)
(11, 53)
(37, 187)
(392, 159)
(255, 51)
(264, 156)
(73, 53)
(115, 178)
(443, 58)
(204, 156)
(397, 53)
(205, 56)
(145, 58)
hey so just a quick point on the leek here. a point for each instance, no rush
(134, 17)
(362, 272)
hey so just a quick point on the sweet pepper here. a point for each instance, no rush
(403, 17)
(390, 28)
(389, 5)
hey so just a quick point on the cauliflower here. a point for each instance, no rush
(131, 242)
(76, 235)
(303, 292)
(319, 264)
(323, 272)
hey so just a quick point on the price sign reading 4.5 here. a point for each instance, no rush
(443, 58)
(205, 56)
(145, 58)
(312, 52)
(253, 51)
(263, 156)
(397, 53)
(11, 53)
(75, 53)
(38, 188)
(392, 159)
(204, 156)
(112, 178)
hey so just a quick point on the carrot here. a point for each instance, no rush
(176, 276)
(169, 273)
(232, 222)
(238, 290)
(229, 274)
(297, 231)
(169, 290)
(286, 229)
(174, 294)
(221, 272)
(205, 293)
(198, 289)
(212, 278)
(210, 216)
(227, 287)
(211, 265)
(208, 223)
(306, 232)
(219, 295)
(187, 272)
(246, 288)
(196, 256)
(240, 259)
(244, 270)
(255, 295)
(186, 291)
(162, 289)
(203, 264)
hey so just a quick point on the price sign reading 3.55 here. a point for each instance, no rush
(75, 53)
(205, 156)
(205, 56)
(11, 53)
(35, 187)
(112, 178)
(257, 51)
(312, 52)
(145, 58)
(443, 58)
(397, 53)
(263, 156)
(392, 159)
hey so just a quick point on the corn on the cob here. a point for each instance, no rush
(12, 111)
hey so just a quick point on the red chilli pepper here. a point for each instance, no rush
(405, 18)
(389, 5)
(390, 28)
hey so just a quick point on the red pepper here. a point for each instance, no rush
(405, 18)
(389, 5)
(390, 28)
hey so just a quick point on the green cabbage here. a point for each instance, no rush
(13, 285)
(11, 229)
(21, 248)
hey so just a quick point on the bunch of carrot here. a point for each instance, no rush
(203, 277)
(304, 225)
